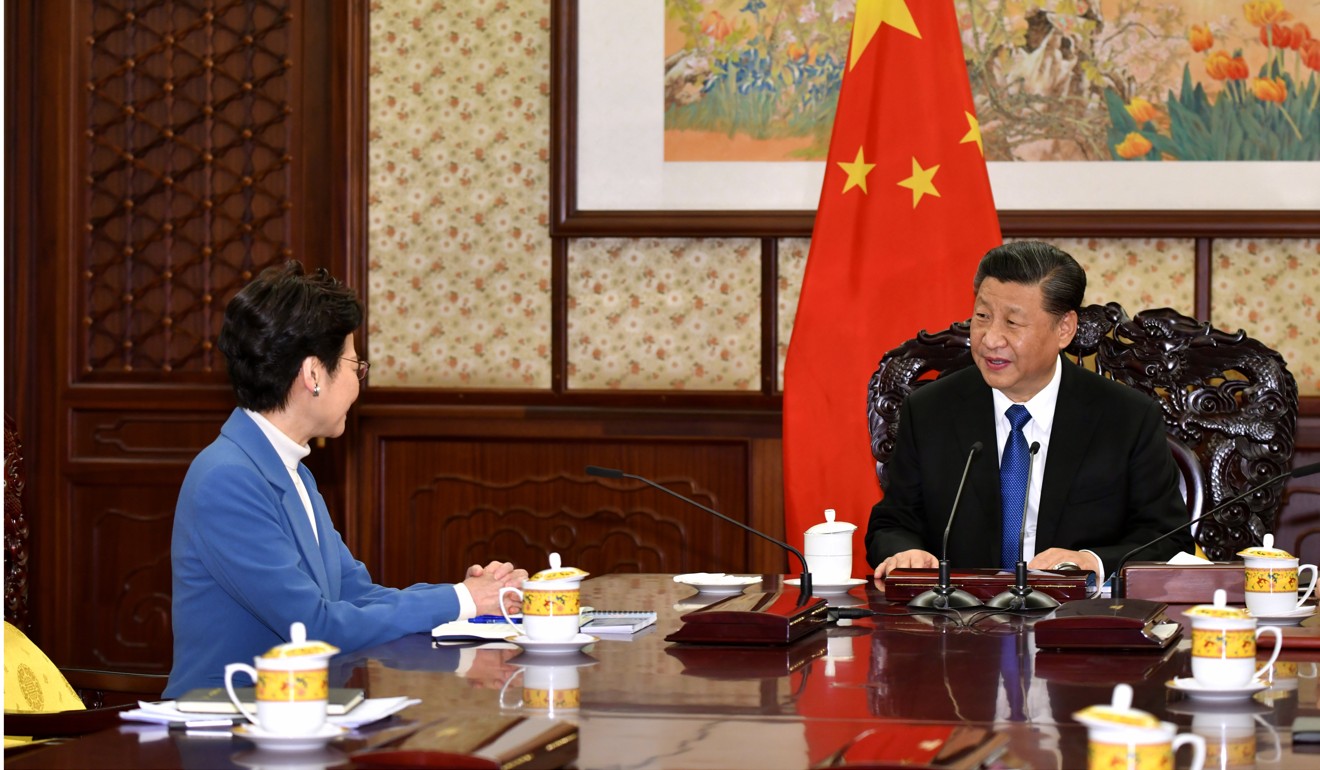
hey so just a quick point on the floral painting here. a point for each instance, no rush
(1123, 80)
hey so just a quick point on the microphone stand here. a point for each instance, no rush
(1021, 596)
(1120, 584)
(944, 595)
(804, 579)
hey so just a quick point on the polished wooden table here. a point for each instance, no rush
(875, 686)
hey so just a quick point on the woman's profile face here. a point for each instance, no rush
(338, 392)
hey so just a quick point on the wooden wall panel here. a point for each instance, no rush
(121, 597)
(456, 487)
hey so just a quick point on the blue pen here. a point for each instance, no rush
(493, 619)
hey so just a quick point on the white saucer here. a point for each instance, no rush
(717, 582)
(281, 742)
(553, 648)
(1197, 691)
(1288, 618)
(829, 588)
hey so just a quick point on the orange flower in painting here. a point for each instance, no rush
(1310, 52)
(1270, 89)
(1264, 12)
(714, 25)
(1201, 38)
(1141, 110)
(1282, 36)
(1134, 145)
(1220, 66)
(796, 50)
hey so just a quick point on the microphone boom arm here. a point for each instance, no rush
(804, 578)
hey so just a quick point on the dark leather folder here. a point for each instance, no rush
(754, 618)
(1108, 624)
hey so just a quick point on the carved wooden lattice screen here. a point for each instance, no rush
(189, 184)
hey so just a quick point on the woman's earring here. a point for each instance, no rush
(316, 391)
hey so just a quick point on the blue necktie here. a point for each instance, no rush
(1013, 483)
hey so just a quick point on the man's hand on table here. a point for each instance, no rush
(913, 559)
(1050, 558)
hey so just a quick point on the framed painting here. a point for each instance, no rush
(633, 81)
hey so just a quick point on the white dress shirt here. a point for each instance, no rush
(1038, 428)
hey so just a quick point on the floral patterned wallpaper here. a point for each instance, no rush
(1271, 289)
(459, 275)
(664, 314)
(459, 278)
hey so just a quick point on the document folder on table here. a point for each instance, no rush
(754, 618)
(1118, 624)
(476, 743)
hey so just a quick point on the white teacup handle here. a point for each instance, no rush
(1278, 750)
(1198, 748)
(505, 612)
(230, 670)
(1309, 589)
(508, 682)
(1278, 645)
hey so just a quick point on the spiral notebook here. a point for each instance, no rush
(617, 622)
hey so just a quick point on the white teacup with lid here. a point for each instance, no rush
(828, 549)
(1224, 644)
(1120, 737)
(293, 685)
(551, 603)
(1271, 579)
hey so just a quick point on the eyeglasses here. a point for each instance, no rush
(362, 366)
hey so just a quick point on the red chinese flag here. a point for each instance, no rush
(905, 215)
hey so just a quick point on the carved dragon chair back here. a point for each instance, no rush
(1229, 405)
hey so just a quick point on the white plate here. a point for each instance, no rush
(1197, 691)
(1288, 618)
(829, 588)
(552, 648)
(717, 582)
(280, 742)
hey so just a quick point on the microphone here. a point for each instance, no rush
(1020, 596)
(804, 579)
(944, 596)
(1120, 585)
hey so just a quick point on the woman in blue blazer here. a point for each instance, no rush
(254, 548)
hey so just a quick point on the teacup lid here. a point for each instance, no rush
(1219, 609)
(1118, 713)
(1266, 550)
(830, 526)
(299, 647)
(557, 572)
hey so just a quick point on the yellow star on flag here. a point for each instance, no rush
(857, 171)
(973, 132)
(921, 182)
(868, 18)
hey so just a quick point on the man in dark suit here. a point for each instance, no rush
(1104, 481)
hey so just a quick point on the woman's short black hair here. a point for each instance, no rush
(1062, 281)
(277, 321)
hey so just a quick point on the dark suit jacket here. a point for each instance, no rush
(1110, 481)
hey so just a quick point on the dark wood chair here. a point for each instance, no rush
(95, 688)
(1229, 405)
